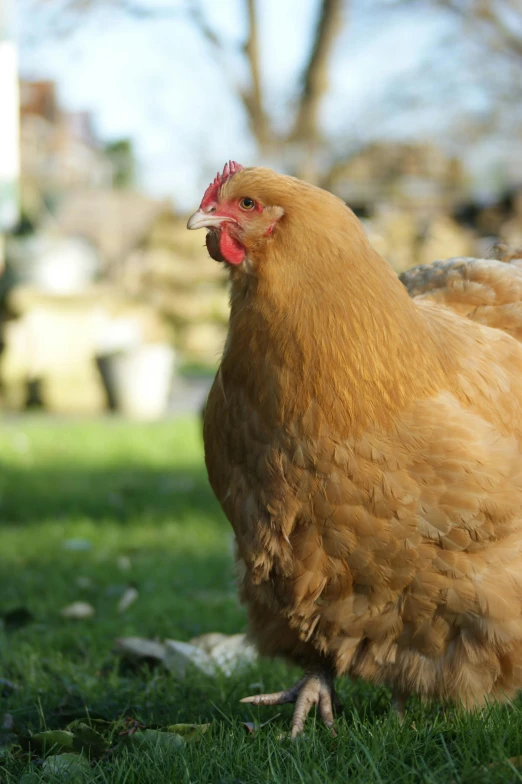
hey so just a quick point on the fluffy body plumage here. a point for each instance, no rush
(366, 448)
(483, 290)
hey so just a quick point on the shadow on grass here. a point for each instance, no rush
(61, 523)
(136, 503)
(168, 527)
(120, 492)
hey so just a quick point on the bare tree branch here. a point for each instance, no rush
(253, 97)
(316, 73)
(492, 17)
(304, 127)
(201, 23)
(489, 13)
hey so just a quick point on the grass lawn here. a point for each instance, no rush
(87, 509)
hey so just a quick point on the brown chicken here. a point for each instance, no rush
(366, 448)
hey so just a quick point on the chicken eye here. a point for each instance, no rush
(247, 203)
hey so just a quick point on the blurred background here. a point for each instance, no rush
(115, 115)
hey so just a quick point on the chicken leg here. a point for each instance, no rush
(316, 688)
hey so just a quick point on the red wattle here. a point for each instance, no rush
(230, 248)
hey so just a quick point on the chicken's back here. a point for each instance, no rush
(483, 290)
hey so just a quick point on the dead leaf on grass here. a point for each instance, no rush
(207, 642)
(140, 649)
(96, 722)
(181, 656)
(233, 653)
(154, 740)
(209, 653)
(51, 740)
(78, 611)
(88, 739)
(129, 597)
(70, 768)
(79, 737)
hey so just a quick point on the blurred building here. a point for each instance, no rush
(414, 201)
(59, 150)
(412, 176)
(102, 279)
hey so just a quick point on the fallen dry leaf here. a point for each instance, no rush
(66, 767)
(54, 741)
(208, 653)
(208, 641)
(230, 652)
(78, 611)
(154, 740)
(137, 648)
(88, 739)
(233, 653)
(129, 597)
(180, 656)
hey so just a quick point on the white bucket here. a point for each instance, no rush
(141, 380)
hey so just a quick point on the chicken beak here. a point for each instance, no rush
(204, 220)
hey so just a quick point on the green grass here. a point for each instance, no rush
(140, 492)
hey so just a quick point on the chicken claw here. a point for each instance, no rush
(316, 688)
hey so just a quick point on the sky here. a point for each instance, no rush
(158, 82)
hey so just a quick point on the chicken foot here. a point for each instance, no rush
(316, 688)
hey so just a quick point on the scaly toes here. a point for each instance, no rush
(278, 697)
(326, 709)
(314, 689)
(308, 696)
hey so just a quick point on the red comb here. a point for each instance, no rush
(211, 194)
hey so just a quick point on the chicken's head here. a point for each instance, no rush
(236, 221)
